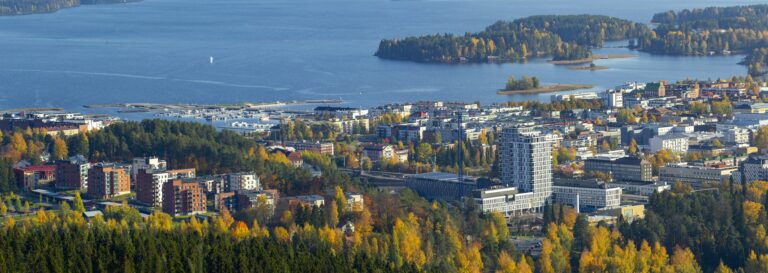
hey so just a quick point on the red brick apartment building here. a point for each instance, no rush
(183, 198)
(107, 181)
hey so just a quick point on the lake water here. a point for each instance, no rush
(269, 50)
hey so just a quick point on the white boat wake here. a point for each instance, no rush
(147, 77)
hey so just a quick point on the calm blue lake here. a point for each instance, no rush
(269, 50)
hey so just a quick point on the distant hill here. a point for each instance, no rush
(21, 7)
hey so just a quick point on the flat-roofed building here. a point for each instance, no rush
(183, 198)
(586, 194)
(629, 213)
(379, 152)
(72, 173)
(107, 181)
(441, 186)
(149, 186)
(245, 181)
(307, 200)
(641, 188)
(149, 183)
(495, 199)
(675, 143)
(339, 112)
(147, 163)
(695, 175)
(754, 168)
(355, 202)
(621, 167)
(318, 147)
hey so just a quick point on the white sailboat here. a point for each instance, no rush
(211, 59)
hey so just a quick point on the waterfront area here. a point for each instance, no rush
(144, 63)
(236, 136)
(208, 112)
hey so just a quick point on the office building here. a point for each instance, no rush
(587, 195)
(498, 199)
(641, 188)
(695, 175)
(621, 167)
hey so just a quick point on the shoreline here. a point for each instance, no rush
(145, 107)
(594, 57)
(546, 89)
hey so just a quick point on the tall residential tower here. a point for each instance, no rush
(526, 163)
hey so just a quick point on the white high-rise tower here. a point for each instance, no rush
(526, 162)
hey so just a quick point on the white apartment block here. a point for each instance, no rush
(147, 163)
(587, 198)
(735, 136)
(671, 142)
(158, 180)
(613, 98)
(355, 202)
(243, 182)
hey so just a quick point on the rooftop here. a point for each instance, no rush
(443, 177)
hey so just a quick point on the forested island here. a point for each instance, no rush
(527, 85)
(563, 37)
(21, 7)
(569, 38)
(711, 31)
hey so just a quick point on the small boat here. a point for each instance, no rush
(211, 60)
